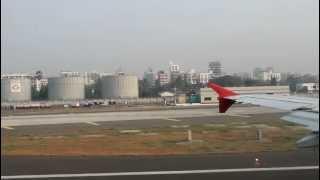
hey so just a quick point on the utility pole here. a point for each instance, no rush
(259, 135)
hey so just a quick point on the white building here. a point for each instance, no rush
(174, 71)
(204, 78)
(191, 77)
(174, 67)
(266, 74)
(310, 87)
(39, 83)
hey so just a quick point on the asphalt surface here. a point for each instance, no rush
(13, 121)
(42, 165)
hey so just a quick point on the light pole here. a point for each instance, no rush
(175, 96)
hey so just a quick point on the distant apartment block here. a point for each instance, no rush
(163, 78)
(215, 69)
(149, 77)
(174, 70)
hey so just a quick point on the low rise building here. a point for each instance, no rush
(308, 87)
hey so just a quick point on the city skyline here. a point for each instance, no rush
(136, 35)
(155, 71)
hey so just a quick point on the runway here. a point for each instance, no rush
(301, 164)
(12, 121)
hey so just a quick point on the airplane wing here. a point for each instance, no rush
(304, 111)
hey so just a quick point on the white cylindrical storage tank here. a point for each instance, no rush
(66, 88)
(119, 86)
(15, 89)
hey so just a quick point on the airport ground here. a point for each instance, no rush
(156, 142)
(100, 109)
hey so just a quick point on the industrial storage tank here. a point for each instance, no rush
(119, 86)
(15, 88)
(66, 88)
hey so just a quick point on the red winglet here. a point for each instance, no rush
(222, 92)
(224, 103)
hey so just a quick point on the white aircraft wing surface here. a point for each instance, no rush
(304, 111)
(301, 110)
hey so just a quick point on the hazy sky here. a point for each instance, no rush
(103, 35)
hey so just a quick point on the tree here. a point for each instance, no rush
(249, 82)
(273, 81)
(39, 95)
(43, 94)
(230, 81)
(293, 81)
(180, 83)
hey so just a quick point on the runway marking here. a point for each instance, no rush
(7, 127)
(130, 131)
(180, 126)
(93, 123)
(238, 115)
(171, 119)
(144, 173)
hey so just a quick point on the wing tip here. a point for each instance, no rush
(224, 103)
(221, 91)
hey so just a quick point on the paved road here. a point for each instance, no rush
(181, 165)
(11, 121)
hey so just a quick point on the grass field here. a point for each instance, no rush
(231, 136)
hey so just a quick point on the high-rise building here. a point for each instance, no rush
(174, 67)
(174, 70)
(149, 77)
(215, 69)
(91, 78)
(163, 78)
